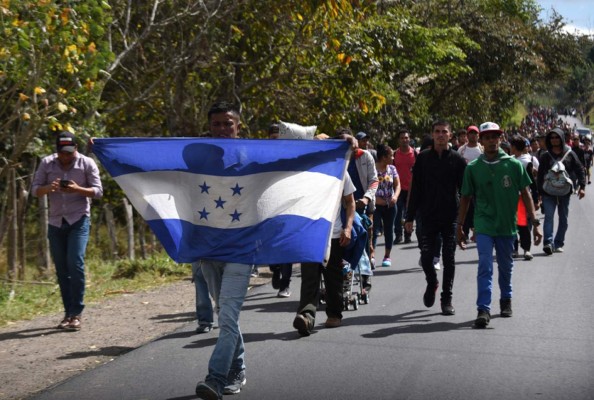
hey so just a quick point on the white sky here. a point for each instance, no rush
(578, 14)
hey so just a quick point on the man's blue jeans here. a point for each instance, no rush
(68, 244)
(549, 204)
(227, 284)
(504, 248)
(204, 311)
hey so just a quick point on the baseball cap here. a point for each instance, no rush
(472, 128)
(361, 135)
(489, 127)
(66, 142)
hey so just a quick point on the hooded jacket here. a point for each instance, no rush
(573, 166)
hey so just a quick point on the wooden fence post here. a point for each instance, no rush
(11, 253)
(45, 259)
(111, 230)
(130, 227)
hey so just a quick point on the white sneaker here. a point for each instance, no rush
(528, 256)
(558, 250)
(284, 293)
(436, 263)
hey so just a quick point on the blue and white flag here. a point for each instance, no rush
(232, 200)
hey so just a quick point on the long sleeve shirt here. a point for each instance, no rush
(435, 187)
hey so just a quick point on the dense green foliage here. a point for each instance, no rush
(152, 68)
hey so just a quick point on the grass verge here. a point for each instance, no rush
(22, 301)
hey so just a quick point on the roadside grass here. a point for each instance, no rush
(41, 296)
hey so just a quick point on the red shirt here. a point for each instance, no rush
(404, 163)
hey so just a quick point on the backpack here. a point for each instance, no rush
(557, 181)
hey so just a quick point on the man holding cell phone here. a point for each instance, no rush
(70, 180)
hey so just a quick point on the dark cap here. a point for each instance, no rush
(66, 142)
(361, 135)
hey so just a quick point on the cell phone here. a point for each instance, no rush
(64, 183)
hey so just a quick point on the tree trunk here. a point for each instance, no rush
(21, 230)
(11, 253)
(142, 238)
(111, 231)
(45, 259)
(129, 227)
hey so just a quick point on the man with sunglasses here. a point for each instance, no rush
(557, 150)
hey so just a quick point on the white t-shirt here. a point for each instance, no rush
(349, 188)
(470, 153)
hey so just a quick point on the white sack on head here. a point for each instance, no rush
(289, 130)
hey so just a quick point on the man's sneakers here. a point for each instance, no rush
(528, 256)
(284, 293)
(447, 308)
(74, 324)
(303, 324)
(429, 296)
(549, 249)
(436, 263)
(207, 391)
(506, 308)
(203, 328)
(482, 320)
(235, 381)
(65, 322)
(407, 239)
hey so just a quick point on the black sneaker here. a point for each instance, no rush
(207, 391)
(506, 308)
(235, 381)
(204, 328)
(447, 308)
(548, 249)
(429, 296)
(398, 240)
(407, 239)
(482, 320)
(303, 325)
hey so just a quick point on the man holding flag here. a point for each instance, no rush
(231, 204)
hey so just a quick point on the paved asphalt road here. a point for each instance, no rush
(394, 347)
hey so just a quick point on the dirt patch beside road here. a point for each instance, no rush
(34, 355)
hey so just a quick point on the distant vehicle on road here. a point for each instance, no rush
(584, 132)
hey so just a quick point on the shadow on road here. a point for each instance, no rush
(110, 351)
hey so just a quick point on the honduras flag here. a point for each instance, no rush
(232, 200)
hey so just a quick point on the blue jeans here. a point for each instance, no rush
(504, 248)
(549, 204)
(204, 312)
(227, 284)
(68, 244)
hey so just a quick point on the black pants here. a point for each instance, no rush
(429, 235)
(310, 284)
(284, 272)
(525, 238)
